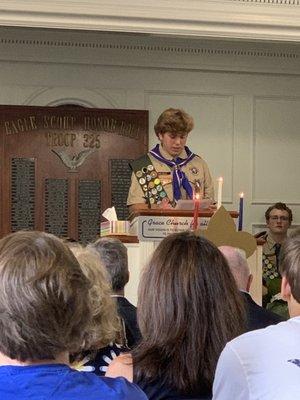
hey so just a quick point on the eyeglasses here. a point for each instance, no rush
(281, 218)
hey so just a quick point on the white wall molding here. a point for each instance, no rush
(269, 20)
(38, 45)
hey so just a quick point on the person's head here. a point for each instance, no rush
(278, 218)
(188, 308)
(44, 310)
(113, 256)
(172, 129)
(290, 271)
(238, 265)
(105, 323)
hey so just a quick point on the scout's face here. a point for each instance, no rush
(173, 143)
(278, 221)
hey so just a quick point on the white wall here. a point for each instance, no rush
(245, 98)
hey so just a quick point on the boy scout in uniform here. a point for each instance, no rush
(170, 171)
(278, 218)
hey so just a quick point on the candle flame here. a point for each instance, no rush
(242, 194)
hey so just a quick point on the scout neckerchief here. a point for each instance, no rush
(149, 181)
(179, 178)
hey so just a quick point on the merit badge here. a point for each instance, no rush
(139, 174)
(142, 181)
(151, 185)
(148, 177)
(154, 191)
(150, 168)
(153, 174)
(144, 169)
(157, 181)
(194, 170)
(145, 188)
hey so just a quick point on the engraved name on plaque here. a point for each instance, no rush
(120, 182)
(89, 210)
(56, 206)
(22, 193)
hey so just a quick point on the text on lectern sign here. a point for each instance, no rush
(154, 228)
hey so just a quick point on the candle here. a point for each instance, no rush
(241, 209)
(219, 198)
(196, 210)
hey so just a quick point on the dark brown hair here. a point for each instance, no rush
(290, 264)
(188, 309)
(175, 121)
(279, 206)
(43, 292)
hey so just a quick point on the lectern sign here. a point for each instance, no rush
(155, 228)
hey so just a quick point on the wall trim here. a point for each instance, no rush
(238, 51)
(266, 20)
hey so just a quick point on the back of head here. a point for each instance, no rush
(113, 256)
(290, 264)
(174, 120)
(238, 265)
(188, 308)
(43, 307)
(105, 323)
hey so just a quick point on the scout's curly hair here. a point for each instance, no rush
(174, 120)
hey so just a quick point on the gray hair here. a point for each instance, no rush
(113, 255)
(238, 265)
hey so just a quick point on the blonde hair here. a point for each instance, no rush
(105, 323)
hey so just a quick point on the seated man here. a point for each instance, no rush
(265, 364)
(113, 256)
(257, 316)
(45, 314)
(278, 219)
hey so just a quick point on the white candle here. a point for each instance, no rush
(220, 186)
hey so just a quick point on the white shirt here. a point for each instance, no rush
(261, 365)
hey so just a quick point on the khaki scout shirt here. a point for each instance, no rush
(195, 170)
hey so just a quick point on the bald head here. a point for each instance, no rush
(238, 265)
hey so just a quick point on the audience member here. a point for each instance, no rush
(257, 317)
(278, 219)
(106, 337)
(264, 364)
(44, 314)
(113, 256)
(188, 309)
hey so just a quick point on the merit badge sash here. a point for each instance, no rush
(148, 179)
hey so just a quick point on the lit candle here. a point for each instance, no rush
(219, 198)
(196, 210)
(241, 209)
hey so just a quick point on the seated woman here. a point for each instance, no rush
(45, 313)
(105, 340)
(188, 309)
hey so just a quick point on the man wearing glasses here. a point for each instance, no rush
(278, 219)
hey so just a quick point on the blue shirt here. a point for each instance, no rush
(60, 382)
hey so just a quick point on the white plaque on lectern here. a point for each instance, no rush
(155, 228)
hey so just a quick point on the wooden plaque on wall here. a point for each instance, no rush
(61, 167)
